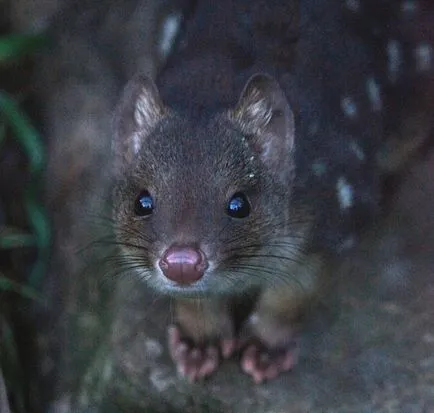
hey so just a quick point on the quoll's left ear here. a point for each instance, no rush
(264, 116)
(139, 110)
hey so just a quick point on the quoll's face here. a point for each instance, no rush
(203, 201)
(197, 208)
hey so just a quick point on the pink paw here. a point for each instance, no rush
(263, 363)
(196, 362)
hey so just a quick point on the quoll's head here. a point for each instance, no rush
(202, 202)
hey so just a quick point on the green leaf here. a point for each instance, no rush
(24, 132)
(17, 241)
(8, 285)
(41, 228)
(11, 366)
(14, 238)
(14, 46)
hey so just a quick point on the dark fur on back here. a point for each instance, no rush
(199, 152)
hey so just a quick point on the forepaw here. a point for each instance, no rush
(196, 362)
(263, 363)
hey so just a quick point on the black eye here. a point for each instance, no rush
(144, 204)
(238, 206)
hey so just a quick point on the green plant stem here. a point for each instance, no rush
(14, 46)
(28, 137)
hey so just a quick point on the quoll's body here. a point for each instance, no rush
(255, 157)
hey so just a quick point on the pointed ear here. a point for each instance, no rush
(138, 112)
(266, 119)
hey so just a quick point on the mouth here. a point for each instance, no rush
(211, 284)
(185, 292)
(199, 289)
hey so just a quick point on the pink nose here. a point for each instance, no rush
(184, 265)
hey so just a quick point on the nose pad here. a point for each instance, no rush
(183, 264)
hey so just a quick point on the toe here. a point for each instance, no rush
(210, 362)
(248, 361)
(227, 346)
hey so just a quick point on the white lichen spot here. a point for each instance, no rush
(424, 57)
(349, 107)
(353, 5)
(374, 94)
(161, 378)
(394, 59)
(152, 348)
(357, 150)
(344, 193)
(107, 370)
(170, 28)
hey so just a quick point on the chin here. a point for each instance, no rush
(202, 288)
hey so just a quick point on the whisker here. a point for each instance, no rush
(289, 247)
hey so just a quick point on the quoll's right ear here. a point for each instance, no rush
(138, 112)
(264, 116)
